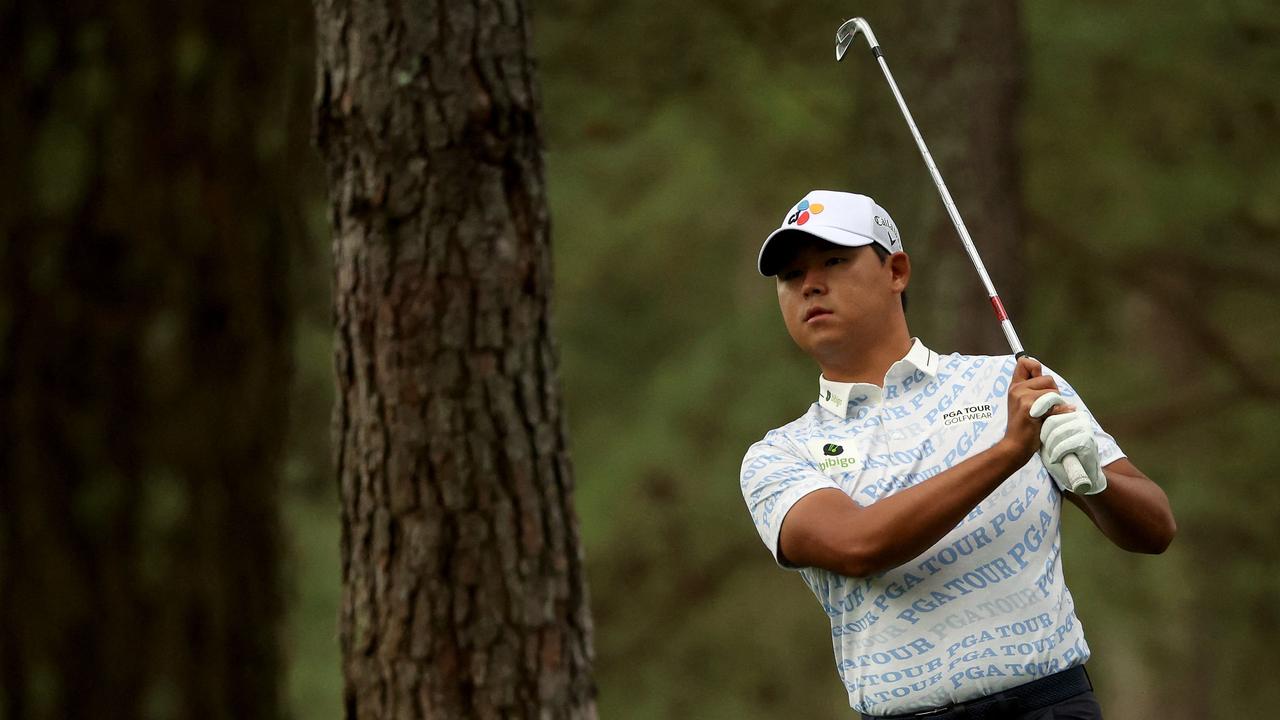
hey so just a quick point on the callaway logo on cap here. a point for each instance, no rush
(838, 217)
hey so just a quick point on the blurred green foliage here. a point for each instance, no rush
(677, 134)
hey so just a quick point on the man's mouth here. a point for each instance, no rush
(814, 312)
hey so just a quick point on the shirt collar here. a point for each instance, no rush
(838, 397)
(921, 358)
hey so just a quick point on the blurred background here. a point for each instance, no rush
(1116, 165)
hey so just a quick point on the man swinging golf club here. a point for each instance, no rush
(920, 495)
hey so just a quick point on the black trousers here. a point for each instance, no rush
(1072, 687)
(1081, 707)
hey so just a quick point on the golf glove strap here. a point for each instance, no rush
(1067, 433)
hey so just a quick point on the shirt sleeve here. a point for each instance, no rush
(774, 477)
(1108, 450)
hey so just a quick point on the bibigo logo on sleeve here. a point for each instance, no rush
(832, 458)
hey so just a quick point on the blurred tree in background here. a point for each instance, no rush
(464, 589)
(149, 208)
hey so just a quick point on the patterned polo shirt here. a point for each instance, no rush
(983, 610)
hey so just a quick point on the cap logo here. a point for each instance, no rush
(831, 449)
(888, 226)
(803, 211)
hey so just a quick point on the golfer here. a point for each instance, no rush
(920, 496)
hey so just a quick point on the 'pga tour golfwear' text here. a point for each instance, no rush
(986, 608)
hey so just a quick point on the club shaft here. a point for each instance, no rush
(1078, 478)
(1009, 333)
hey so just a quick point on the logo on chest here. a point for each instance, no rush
(968, 414)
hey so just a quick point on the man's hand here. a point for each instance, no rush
(1032, 395)
(1071, 432)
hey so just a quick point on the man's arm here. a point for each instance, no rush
(827, 529)
(1133, 512)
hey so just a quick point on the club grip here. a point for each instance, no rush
(1076, 476)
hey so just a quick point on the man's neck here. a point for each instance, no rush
(868, 364)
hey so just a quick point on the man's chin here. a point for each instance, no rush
(826, 343)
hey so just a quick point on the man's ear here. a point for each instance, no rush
(900, 269)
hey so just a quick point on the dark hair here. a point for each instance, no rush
(884, 255)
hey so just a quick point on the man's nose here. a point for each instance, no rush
(814, 283)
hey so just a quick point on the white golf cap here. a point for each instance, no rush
(838, 217)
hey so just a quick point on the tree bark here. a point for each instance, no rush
(463, 586)
(144, 359)
(960, 68)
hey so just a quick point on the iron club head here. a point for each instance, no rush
(849, 30)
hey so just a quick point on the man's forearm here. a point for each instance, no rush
(1133, 512)
(898, 528)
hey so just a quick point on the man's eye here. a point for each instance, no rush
(790, 275)
(834, 261)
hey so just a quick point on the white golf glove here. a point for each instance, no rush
(1067, 433)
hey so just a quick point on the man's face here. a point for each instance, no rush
(836, 298)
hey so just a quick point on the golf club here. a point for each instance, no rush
(1079, 479)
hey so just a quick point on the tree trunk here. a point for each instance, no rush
(463, 586)
(959, 66)
(144, 359)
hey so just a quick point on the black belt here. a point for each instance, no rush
(1024, 698)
